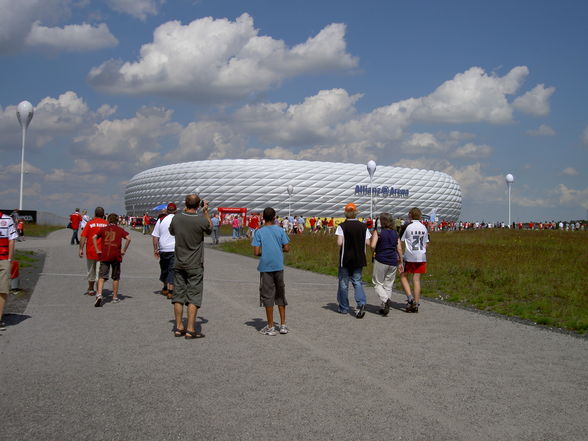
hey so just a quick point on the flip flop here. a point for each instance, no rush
(179, 332)
(193, 335)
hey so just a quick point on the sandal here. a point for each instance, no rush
(179, 332)
(193, 335)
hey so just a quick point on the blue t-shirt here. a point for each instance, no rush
(270, 238)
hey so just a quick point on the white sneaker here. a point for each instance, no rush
(283, 329)
(268, 331)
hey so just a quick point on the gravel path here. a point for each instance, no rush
(74, 372)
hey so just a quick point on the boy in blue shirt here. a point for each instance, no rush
(270, 242)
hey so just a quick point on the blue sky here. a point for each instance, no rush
(474, 89)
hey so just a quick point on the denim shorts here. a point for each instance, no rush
(166, 264)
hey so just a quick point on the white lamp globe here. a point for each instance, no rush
(509, 178)
(24, 113)
(371, 168)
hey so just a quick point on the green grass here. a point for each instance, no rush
(34, 230)
(25, 259)
(535, 275)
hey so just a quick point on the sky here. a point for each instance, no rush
(475, 89)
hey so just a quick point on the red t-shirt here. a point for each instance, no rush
(254, 223)
(75, 219)
(112, 236)
(92, 228)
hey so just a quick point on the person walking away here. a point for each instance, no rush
(86, 243)
(352, 238)
(189, 229)
(75, 219)
(164, 245)
(270, 242)
(85, 219)
(8, 236)
(110, 254)
(215, 221)
(415, 238)
(388, 256)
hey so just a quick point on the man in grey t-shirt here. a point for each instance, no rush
(189, 229)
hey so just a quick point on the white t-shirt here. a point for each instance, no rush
(415, 239)
(167, 242)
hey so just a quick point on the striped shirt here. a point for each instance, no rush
(7, 233)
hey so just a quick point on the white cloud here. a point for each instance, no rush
(208, 140)
(29, 24)
(313, 121)
(570, 171)
(570, 196)
(71, 38)
(535, 101)
(140, 9)
(212, 60)
(542, 130)
(124, 139)
(471, 150)
(418, 142)
(472, 96)
(14, 169)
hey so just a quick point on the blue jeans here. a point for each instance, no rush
(236, 233)
(355, 275)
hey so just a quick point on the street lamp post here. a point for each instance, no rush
(509, 180)
(371, 168)
(24, 114)
(290, 192)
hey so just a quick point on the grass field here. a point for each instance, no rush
(35, 230)
(535, 275)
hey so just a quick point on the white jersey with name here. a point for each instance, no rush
(167, 242)
(415, 239)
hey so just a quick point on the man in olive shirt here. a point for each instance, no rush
(189, 229)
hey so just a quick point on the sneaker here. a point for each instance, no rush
(98, 302)
(283, 329)
(115, 300)
(268, 331)
(360, 311)
(2, 326)
(411, 306)
(386, 308)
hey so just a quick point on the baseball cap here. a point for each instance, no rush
(171, 207)
(350, 207)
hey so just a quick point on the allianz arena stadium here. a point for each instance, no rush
(318, 188)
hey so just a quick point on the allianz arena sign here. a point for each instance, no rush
(384, 191)
(319, 188)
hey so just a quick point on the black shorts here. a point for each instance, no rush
(272, 290)
(105, 269)
(166, 264)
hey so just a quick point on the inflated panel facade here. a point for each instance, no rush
(319, 188)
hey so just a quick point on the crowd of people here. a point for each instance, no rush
(178, 237)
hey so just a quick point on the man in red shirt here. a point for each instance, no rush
(74, 219)
(92, 263)
(110, 254)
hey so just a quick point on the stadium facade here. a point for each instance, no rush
(319, 188)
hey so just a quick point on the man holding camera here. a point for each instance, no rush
(189, 228)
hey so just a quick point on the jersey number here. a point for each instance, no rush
(418, 243)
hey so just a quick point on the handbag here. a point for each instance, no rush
(69, 225)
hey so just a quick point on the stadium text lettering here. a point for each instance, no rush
(385, 191)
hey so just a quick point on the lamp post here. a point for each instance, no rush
(509, 180)
(371, 168)
(24, 114)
